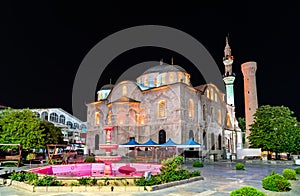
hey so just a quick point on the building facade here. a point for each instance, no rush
(73, 129)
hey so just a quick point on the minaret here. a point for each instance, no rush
(249, 70)
(229, 76)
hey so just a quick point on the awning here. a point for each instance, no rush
(190, 144)
(131, 143)
(169, 143)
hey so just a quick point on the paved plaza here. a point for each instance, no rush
(220, 178)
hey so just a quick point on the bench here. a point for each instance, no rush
(16, 163)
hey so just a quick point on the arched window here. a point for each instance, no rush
(163, 79)
(162, 109)
(212, 94)
(96, 142)
(70, 124)
(179, 77)
(161, 137)
(204, 140)
(155, 81)
(53, 117)
(37, 114)
(220, 141)
(146, 83)
(45, 115)
(216, 97)
(97, 118)
(171, 77)
(219, 116)
(75, 125)
(212, 114)
(142, 116)
(191, 134)
(207, 94)
(228, 121)
(124, 90)
(191, 108)
(62, 119)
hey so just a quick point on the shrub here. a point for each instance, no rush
(17, 176)
(30, 177)
(297, 170)
(90, 160)
(47, 181)
(239, 166)
(197, 163)
(153, 181)
(276, 183)
(195, 173)
(289, 174)
(93, 181)
(247, 191)
(84, 181)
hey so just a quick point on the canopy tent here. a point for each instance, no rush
(169, 143)
(149, 143)
(131, 143)
(190, 144)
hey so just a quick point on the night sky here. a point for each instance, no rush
(43, 44)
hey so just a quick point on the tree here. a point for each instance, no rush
(242, 125)
(52, 134)
(21, 127)
(275, 129)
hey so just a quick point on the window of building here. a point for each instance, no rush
(212, 94)
(219, 116)
(76, 126)
(162, 137)
(37, 114)
(163, 79)
(53, 117)
(142, 116)
(100, 96)
(62, 119)
(70, 124)
(162, 109)
(216, 97)
(179, 77)
(124, 90)
(207, 94)
(44, 115)
(146, 81)
(155, 81)
(97, 118)
(96, 142)
(191, 108)
(212, 113)
(171, 77)
(228, 120)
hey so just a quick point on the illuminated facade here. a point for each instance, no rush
(162, 104)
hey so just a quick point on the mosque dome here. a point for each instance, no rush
(104, 91)
(107, 87)
(164, 68)
(163, 74)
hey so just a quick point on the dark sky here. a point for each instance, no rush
(43, 44)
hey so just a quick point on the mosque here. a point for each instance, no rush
(162, 104)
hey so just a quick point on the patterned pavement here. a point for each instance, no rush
(220, 178)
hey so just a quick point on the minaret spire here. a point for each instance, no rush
(229, 76)
(228, 58)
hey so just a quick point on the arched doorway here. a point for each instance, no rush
(162, 137)
(220, 141)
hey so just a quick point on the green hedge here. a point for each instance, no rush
(289, 174)
(247, 191)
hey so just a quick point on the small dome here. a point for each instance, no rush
(164, 68)
(107, 87)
